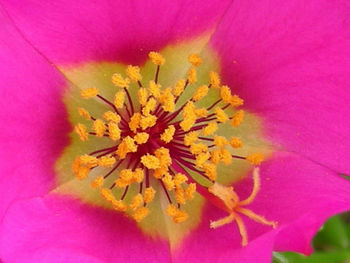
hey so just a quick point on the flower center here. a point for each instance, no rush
(156, 142)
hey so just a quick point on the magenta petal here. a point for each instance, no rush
(292, 66)
(300, 195)
(56, 222)
(33, 129)
(75, 31)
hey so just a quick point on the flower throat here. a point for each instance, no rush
(158, 144)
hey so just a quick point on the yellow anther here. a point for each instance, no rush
(141, 137)
(126, 146)
(168, 182)
(189, 109)
(168, 134)
(215, 156)
(255, 158)
(106, 161)
(76, 165)
(132, 147)
(180, 195)
(201, 112)
(84, 113)
(197, 148)
(154, 89)
(97, 182)
(134, 122)
(156, 58)
(190, 138)
(210, 170)
(83, 173)
(163, 156)
(99, 127)
(192, 75)
(150, 161)
(167, 100)
(201, 159)
(111, 116)
(88, 161)
(126, 177)
(187, 123)
(236, 142)
(210, 128)
(195, 59)
(214, 79)
(140, 214)
(150, 106)
(220, 141)
(237, 118)
(176, 214)
(119, 205)
(89, 93)
(179, 87)
(148, 121)
(142, 94)
(149, 195)
(80, 129)
(179, 179)
(138, 175)
(221, 115)
(114, 131)
(107, 195)
(158, 173)
(226, 156)
(236, 101)
(200, 93)
(119, 99)
(133, 72)
(136, 202)
(225, 94)
(122, 150)
(119, 81)
(190, 191)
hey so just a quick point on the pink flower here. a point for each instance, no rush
(289, 60)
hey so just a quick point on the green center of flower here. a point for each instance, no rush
(161, 142)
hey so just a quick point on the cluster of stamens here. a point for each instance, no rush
(157, 141)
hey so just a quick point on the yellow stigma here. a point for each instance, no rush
(235, 206)
(168, 137)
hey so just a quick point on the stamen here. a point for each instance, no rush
(152, 139)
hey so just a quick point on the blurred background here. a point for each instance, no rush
(331, 244)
